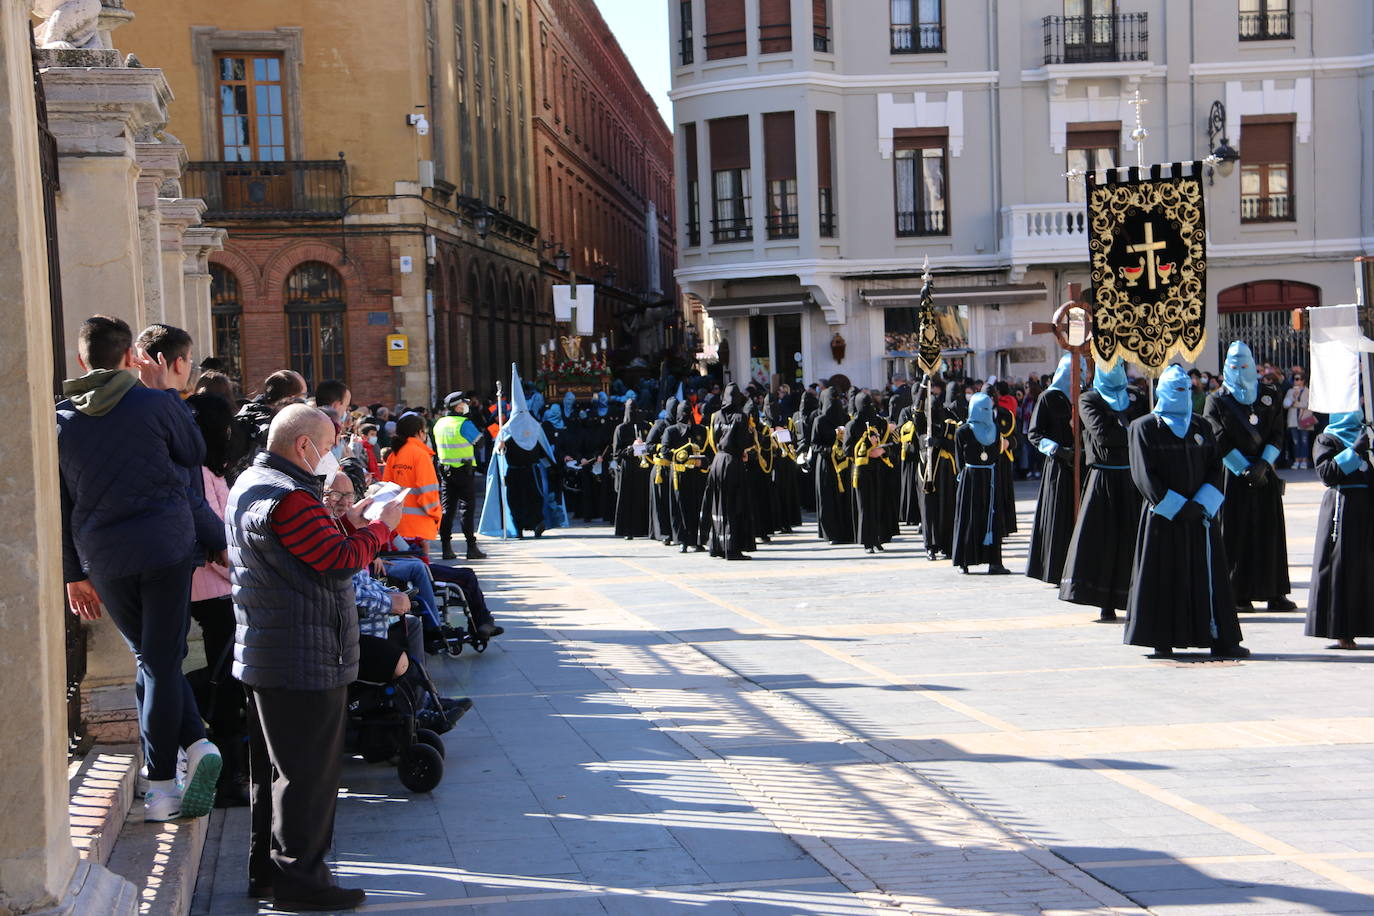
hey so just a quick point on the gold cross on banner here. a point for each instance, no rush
(1149, 246)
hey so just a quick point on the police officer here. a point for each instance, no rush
(455, 437)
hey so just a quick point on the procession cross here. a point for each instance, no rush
(1149, 246)
(1072, 330)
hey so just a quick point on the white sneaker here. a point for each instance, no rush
(203, 764)
(161, 805)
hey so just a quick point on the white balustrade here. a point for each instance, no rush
(1045, 233)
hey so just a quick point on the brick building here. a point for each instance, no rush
(603, 173)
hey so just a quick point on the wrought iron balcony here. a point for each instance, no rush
(1096, 39)
(918, 39)
(732, 229)
(269, 190)
(1266, 208)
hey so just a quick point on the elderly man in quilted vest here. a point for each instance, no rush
(296, 649)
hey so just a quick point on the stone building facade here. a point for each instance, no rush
(603, 170)
(825, 147)
(372, 188)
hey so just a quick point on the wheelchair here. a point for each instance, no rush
(381, 726)
(450, 601)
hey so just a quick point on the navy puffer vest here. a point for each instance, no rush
(297, 629)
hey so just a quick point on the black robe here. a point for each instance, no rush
(1175, 594)
(631, 479)
(726, 521)
(1252, 516)
(911, 481)
(524, 495)
(1341, 603)
(939, 489)
(660, 504)
(979, 509)
(1052, 421)
(1006, 468)
(830, 468)
(683, 440)
(596, 445)
(760, 465)
(1101, 554)
(869, 477)
(800, 427)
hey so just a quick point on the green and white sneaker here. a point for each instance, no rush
(162, 802)
(203, 764)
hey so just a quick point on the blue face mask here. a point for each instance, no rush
(1241, 376)
(982, 419)
(1111, 384)
(1346, 427)
(1174, 400)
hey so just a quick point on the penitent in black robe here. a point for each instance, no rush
(1101, 554)
(940, 488)
(1341, 603)
(660, 504)
(1052, 421)
(631, 479)
(1176, 593)
(830, 467)
(1006, 468)
(801, 431)
(978, 508)
(726, 520)
(524, 485)
(868, 475)
(1252, 516)
(684, 440)
(911, 480)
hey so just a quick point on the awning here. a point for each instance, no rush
(748, 306)
(1002, 294)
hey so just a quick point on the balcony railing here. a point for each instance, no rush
(1266, 26)
(731, 43)
(820, 38)
(732, 229)
(269, 190)
(1045, 233)
(921, 222)
(1096, 39)
(1266, 208)
(827, 222)
(686, 46)
(918, 39)
(693, 234)
(775, 37)
(783, 226)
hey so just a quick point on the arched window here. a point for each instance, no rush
(1260, 313)
(315, 309)
(226, 309)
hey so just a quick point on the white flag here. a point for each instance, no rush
(563, 302)
(1336, 347)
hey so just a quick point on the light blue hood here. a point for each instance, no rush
(982, 419)
(1346, 427)
(1111, 384)
(1174, 400)
(1242, 378)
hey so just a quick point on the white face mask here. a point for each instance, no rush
(326, 464)
(372, 440)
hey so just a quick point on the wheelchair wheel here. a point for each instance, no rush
(421, 768)
(479, 644)
(431, 738)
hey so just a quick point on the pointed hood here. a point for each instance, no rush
(1242, 378)
(521, 426)
(1174, 399)
(1346, 427)
(982, 419)
(1111, 384)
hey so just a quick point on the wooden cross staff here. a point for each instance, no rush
(1072, 328)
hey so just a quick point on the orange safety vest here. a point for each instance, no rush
(412, 466)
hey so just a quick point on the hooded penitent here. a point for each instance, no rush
(832, 408)
(602, 403)
(535, 402)
(901, 399)
(733, 401)
(864, 410)
(1346, 427)
(1111, 384)
(1242, 378)
(569, 404)
(1174, 399)
(982, 419)
(521, 426)
(669, 410)
(554, 416)
(736, 440)
(684, 413)
(1063, 374)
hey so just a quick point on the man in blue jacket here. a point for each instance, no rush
(134, 526)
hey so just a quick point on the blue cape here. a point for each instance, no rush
(1346, 427)
(1174, 400)
(494, 510)
(1242, 378)
(982, 419)
(1111, 384)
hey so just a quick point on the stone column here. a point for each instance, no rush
(38, 866)
(95, 112)
(199, 241)
(158, 164)
(177, 215)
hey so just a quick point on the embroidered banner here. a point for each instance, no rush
(1148, 251)
(928, 327)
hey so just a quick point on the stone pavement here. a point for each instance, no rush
(818, 731)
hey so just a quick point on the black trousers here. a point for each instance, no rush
(296, 743)
(458, 491)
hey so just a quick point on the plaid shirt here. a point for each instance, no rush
(374, 604)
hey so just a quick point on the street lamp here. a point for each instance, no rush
(1222, 153)
(482, 223)
(562, 259)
